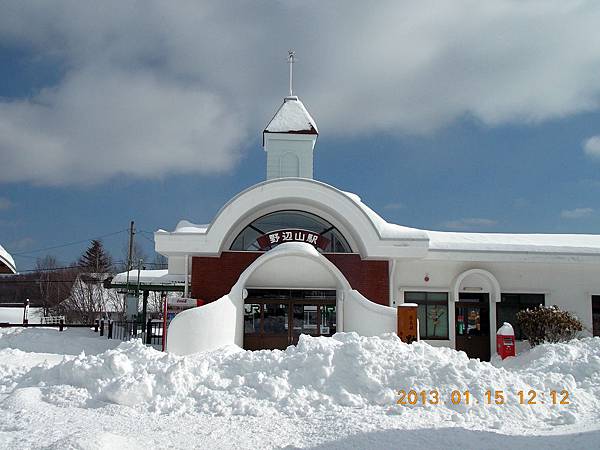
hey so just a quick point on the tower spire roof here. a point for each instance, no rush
(292, 116)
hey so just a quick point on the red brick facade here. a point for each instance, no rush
(213, 277)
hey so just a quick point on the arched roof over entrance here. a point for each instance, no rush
(324, 274)
(366, 232)
(478, 278)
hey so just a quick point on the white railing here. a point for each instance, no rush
(53, 320)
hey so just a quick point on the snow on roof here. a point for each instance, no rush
(387, 230)
(149, 277)
(292, 117)
(441, 241)
(485, 242)
(7, 259)
(503, 242)
(185, 226)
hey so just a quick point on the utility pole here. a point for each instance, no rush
(130, 251)
(129, 254)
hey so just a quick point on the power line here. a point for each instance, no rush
(23, 254)
(38, 281)
(53, 269)
(147, 238)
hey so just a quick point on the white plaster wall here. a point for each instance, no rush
(366, 317)
(176, 265)
(568, 286)
(280, 146)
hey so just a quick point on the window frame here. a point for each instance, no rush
(337, 240)
(520, 305)
(426, 302)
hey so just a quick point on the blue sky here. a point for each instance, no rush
(157, 116)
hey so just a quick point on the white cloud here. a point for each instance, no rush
(181, 86)
(469, 223)
(577, 213)
(591, 146)
(5, 203)
(98, 124)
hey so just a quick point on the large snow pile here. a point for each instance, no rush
(328, 375)
(72, 341)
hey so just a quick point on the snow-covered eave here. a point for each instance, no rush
(512, 255)
(153, 277)
(311, 130)
(514, 247)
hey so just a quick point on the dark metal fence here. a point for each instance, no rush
(125, 331)
(154, 333)
(151, 333)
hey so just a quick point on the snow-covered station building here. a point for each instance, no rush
(293, 255)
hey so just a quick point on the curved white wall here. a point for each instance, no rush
(366, 317)
(207, 327)
(221, 322)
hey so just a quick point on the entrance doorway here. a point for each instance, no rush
(473, 325)
(275, 318)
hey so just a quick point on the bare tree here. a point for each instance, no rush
(88, 298)
(160, 261)
(136, 254)
(54, 282)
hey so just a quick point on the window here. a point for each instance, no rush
(511, 304)
(432, 313)
(596, 314)
(330, 239)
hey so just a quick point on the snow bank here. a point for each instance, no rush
(331, 375)
(71, 341)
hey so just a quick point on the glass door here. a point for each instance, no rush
(276, 319)
(266, 325)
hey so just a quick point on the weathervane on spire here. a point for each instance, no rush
(291, 60)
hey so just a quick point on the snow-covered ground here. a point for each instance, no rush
(338, 392)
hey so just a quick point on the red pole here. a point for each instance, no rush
(164, 332)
